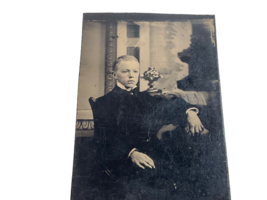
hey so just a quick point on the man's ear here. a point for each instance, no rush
(114, 74)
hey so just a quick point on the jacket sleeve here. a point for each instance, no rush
(161, 112)
(168, 111)
(175, 112)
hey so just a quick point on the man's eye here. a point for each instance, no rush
(123, 71)
(136, 71)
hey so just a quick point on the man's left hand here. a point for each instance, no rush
(195, 125)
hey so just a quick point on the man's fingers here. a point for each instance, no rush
(200, 128)
(187, 129)
(147, 164)
(192, 130)
(140, 165)
(197, 129)
(150, 161)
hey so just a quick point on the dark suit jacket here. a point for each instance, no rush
(131, 121)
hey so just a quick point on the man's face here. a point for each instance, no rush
(127, 73)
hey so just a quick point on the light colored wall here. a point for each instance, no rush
(92, 67)
(166, 40)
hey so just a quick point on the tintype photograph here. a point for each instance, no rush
(149, 119)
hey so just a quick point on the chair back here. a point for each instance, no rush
(99, 130)
(99, 136)
(93, 104)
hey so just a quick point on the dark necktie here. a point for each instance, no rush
(133, 92)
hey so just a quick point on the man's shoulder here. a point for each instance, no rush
(107, 97)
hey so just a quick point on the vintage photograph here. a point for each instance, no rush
(149, 119)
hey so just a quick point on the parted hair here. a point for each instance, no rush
(123, 58)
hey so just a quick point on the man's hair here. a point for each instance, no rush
(123, 58)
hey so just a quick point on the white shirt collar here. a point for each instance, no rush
(123, 87)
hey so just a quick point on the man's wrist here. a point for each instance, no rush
(193, 109)
(131, 152)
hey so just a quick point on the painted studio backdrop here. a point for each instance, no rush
(175, 49)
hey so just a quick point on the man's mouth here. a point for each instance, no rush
(130, 81)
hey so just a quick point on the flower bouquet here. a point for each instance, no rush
(151, 75)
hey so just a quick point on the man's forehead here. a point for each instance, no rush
(129, 64)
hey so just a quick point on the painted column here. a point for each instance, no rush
(111, 54)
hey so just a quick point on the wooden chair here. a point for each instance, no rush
(99, 136)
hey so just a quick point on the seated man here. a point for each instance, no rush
(134, 123)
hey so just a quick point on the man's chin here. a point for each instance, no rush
(130, 85)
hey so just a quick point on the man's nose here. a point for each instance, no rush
(131, 75)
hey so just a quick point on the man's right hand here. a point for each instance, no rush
(142, 160)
